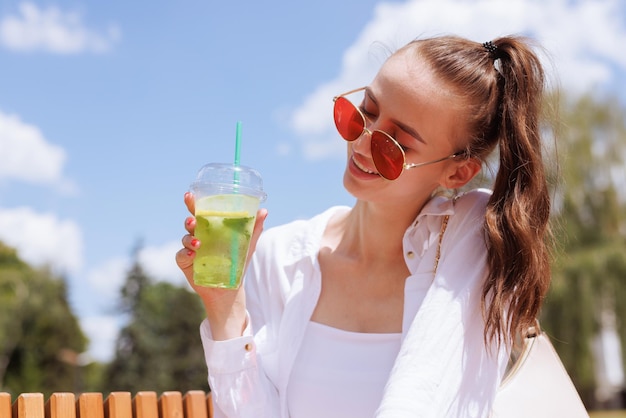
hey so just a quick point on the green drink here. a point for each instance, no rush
(227, 198)
(225, 239)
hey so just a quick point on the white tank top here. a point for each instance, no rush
(340, 374)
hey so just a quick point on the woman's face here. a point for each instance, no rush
(422, 114)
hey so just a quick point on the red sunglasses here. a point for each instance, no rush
(387, 154)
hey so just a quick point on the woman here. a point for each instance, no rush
(407, 303)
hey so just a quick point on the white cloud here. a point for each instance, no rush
(160, 263)
(53, 30)
(584, 41)
(26, 155)
(42, 239)
(102, 332)
(107, 279)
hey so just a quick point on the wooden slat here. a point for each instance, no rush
(90, 405)
(5, 404)
(171, 405)
(145, 405)
(118, 405)
(29, 405)
(61, 405)
(194, 404)
(209, 402)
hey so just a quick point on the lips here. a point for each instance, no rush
(362, 167)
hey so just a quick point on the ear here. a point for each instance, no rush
(460, 173)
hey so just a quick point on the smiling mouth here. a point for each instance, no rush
(360, 167)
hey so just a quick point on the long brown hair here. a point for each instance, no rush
(502, 83)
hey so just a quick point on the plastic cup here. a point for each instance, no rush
(227, 198)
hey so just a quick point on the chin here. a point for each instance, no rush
(357, 189)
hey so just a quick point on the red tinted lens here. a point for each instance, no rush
(348, 120)
(387, 155)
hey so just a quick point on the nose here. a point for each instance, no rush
(363, 144)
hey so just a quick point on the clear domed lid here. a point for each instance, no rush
(223, 178)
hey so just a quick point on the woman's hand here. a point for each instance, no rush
(225, 308)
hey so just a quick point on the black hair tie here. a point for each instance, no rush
(490, 47)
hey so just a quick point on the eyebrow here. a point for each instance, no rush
(410, 131)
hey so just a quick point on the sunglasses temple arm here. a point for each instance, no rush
(449, 157)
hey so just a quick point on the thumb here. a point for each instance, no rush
(261, 215)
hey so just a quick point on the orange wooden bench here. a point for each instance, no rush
(146, 404)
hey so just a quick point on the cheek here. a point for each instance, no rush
(424, 179)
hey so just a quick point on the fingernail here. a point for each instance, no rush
(190, 253)
(189, 221)
(195, 242)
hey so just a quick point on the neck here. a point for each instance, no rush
(373, 232)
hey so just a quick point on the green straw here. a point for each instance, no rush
(237, 150)
(234, 242)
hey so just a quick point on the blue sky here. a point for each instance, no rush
(108, 109)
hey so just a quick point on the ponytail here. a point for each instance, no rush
(519, 209)
(503, 82)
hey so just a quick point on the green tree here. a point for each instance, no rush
(160, 348)
(39, 334)
(590, 268)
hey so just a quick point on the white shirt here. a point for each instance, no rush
(340, 374)
(443, 368)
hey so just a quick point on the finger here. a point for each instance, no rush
(184, 260)
(190, 242)
(190, 224)
(258, 228)
(190, 202)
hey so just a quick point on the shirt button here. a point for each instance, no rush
(410, 254)
(248, 347)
